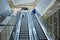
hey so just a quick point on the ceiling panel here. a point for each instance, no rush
(16, 2)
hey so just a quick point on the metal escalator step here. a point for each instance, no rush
(42, 38)
(40, 33)
(24, 35)
(24, 31)
(24, 39)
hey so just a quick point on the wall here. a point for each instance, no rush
(4, 6)
(53, 28)
(42, 5)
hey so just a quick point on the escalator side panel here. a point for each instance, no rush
(39, 30)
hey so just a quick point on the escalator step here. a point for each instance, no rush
(42, 38)
(24, 39)
(24, 35)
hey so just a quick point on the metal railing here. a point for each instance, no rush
(8, 26)
(45, 23)
(31, 25)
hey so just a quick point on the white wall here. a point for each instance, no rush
(4, 6)
(41, 5)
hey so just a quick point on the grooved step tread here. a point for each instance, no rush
(24, 35)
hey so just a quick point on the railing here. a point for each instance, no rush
(45, 23)
(33, 33)
(15, 33)
(8, 27)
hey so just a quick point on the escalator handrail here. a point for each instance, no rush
(43, 27)
(32, 26)
(48, 26)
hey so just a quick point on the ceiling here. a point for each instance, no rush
(52, 8)
(16, 2)
(20, 3)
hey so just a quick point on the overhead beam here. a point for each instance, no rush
(50, 5)
(20, 5)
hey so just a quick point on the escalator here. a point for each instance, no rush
(29, 28)
(40, 33)
(24, 30)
